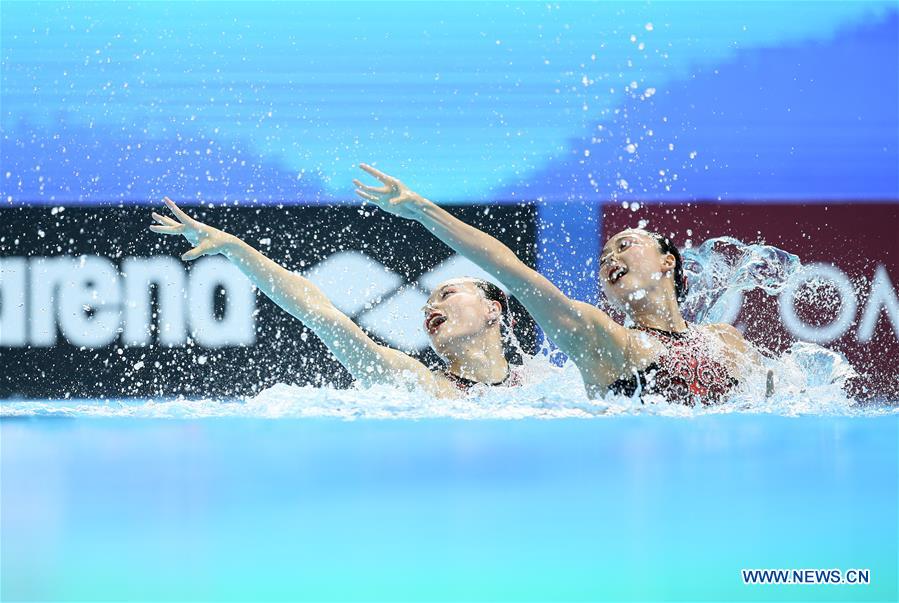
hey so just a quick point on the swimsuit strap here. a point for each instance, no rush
(465, 383)
(669, 334)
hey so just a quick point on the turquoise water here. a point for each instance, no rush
(618, 507)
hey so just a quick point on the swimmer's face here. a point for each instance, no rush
(456, 312)
(632, 266)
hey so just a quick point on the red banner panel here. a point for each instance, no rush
(851, 256)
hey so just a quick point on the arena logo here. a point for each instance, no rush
(92, 304)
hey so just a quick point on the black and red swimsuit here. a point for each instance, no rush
(686, 373)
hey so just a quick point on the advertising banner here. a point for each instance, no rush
(93, 304)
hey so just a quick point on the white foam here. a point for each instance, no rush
(809, 381)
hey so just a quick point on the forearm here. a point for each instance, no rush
(293, 293)
(482, 249)
(366, 360)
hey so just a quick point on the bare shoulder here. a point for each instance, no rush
(596, 319)
(441, 387)
(742, 356)
(728, 334)
(406, 370)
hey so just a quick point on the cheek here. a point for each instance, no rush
(643, 266)
(469, 312)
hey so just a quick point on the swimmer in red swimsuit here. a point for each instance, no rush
(641, 273)
(468, 320)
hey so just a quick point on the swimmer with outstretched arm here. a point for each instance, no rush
(641, 273)
(468, 320)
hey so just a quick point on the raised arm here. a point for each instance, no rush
(581, 330)
(366, 360)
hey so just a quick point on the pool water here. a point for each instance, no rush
(632, 507)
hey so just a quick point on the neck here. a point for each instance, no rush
(658, 312)
(480, 359)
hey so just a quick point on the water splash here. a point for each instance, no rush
(809, 379)
(720, 270)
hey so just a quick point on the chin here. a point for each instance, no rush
(447, 342)
(619, 299)
(438, 342)
(440, 350)
(615, 293)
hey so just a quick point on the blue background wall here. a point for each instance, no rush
(468, 101)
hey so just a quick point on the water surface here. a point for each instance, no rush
(626, 507)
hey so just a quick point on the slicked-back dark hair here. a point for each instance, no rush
(493, 293)
(511, 347)
(666, 245)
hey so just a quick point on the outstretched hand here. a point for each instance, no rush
(393, 197)
(205, 239)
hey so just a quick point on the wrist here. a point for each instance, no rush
(422, 208)
(230, 245)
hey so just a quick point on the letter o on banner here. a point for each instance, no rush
(238, 325)
(848, 304)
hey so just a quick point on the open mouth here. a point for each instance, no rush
(616, 273)
(433, 322)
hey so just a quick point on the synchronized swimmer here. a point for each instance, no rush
(468, 320)
(469, 323)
